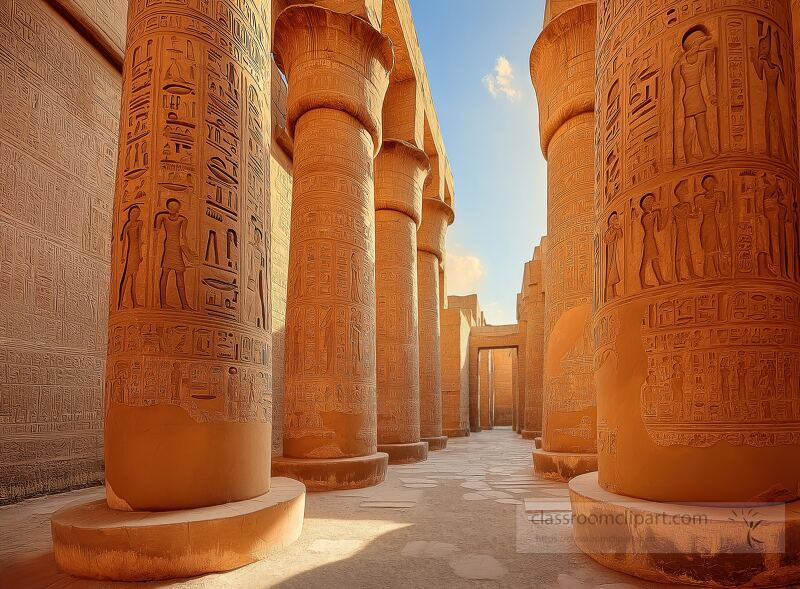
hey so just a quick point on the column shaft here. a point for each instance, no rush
(337, 68)
(430, 375)
(400, 172)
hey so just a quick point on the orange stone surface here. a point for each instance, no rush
(189, 324)
(562, 69)
(436, 216)
(698, 320)
(504, 364)
(400, 171)
(532, 312)
(337, 67)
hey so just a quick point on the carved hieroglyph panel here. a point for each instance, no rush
(397, 331)
(569, 397)
(698, 217)
(190, 317)
(330, 317)
(58, 134)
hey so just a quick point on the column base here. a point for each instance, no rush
(711, 546)
(562, 466)
(436, 443)
(530, 435)
(475, 429)
(405, 453)
(94, 541)
(456, 433)
(537, 442)
(333, 474)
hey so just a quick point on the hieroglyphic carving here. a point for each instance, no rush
(533, 314)
(58, 134)
(706, 245)
(189, 325)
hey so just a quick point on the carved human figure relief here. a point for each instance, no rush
(131, 240)
(710, 204)
(695, 69)
(767, 61)
(612, 236)
(176, 251)
(682, 213)
(652, 220)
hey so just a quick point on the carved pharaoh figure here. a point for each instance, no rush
(694, 64)
(131, 240)
(772, 73)
(612, 236)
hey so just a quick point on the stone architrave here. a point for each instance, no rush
(562, 68)
(337, 67)
(400, 172)
(697, 329)
(188, 394)
(436, 217)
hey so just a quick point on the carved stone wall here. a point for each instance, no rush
(697, 332)
(534, 347)
(503, 363)
(59, 104)
(455, 372)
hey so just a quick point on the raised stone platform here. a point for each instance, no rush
(92, 540)
(530, 435)
(437, 443)
(722, 545)
(405, 453)
(537, 442)
(562, 466)
(333, 474)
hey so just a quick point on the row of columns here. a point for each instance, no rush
(188, 398)
(362, 373)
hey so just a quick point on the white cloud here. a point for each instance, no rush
(501, 81)
(464, 273)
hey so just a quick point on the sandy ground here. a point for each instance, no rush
(461, 519)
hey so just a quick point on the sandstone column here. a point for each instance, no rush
(436, 217)
(485, 361)
(534, 347)
(697, 329)
(337, 67)
(188, 394)
(562, 68)
(400, 171)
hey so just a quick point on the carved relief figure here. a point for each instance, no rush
(681, 213)
(257, 306)
(772, 73)
(131, 239)
(710, 203)
(612, 236)
(176, 251)
(694, 64)
(355, 279)
(652, 220)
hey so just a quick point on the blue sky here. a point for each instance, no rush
(488, 116)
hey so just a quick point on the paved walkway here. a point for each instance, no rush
(458, 520)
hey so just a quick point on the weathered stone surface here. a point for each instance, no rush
(562, 68)
(58, 136)
(504, 381)
(531, 313)
(455, 372)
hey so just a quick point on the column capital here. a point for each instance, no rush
(436, 217)
(563, 69)
(401, 171)
(333, 60)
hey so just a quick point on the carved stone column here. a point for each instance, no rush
(400, 171)
(534, 348)
(486, 393)
(562, 68)
(436, 216)
(697, 329)
(188, 393)
(337, 67)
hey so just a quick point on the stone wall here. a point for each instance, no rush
(59, 102)
(455, 372)
(502, 364)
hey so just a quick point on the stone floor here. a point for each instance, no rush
(458, 520)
